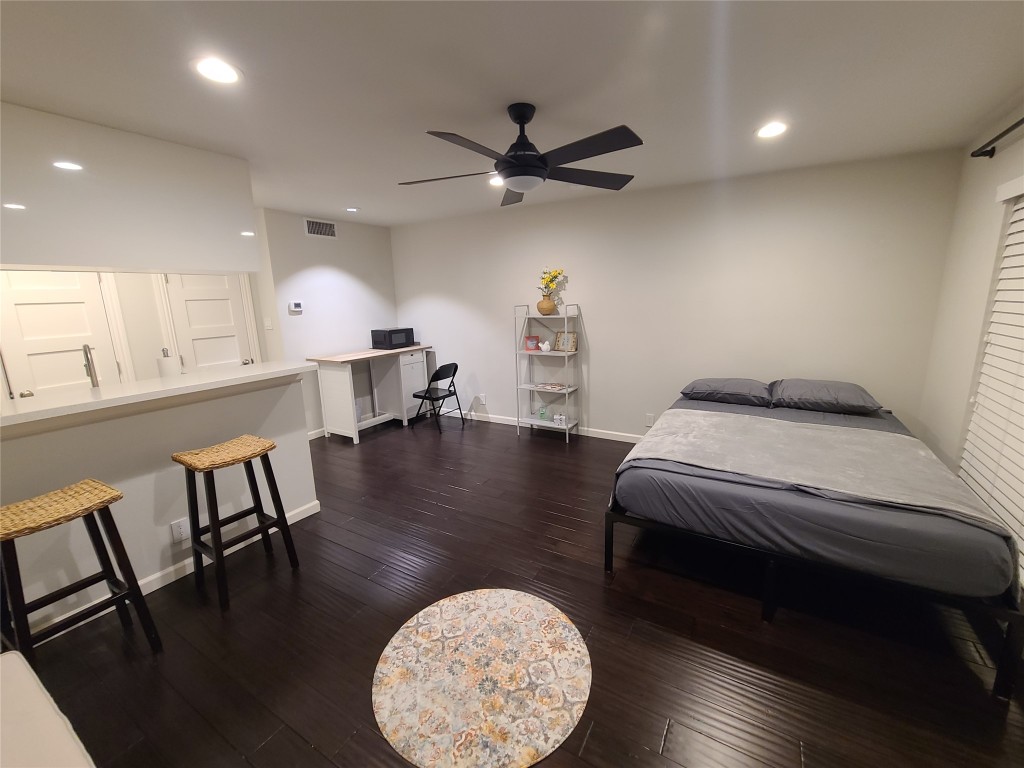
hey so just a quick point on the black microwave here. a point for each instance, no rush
(391, 338)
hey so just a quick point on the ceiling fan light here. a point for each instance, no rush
(523, 183)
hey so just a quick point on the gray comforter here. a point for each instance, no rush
(860, 465)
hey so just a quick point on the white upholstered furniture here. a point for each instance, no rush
(33, 732)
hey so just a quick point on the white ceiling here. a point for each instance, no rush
(336, 96)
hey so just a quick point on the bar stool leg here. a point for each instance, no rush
(282, 520)
(16, 600)
(193, 524)
(257, 505)
(107, 567)
(216, 541)
(6, 625)
(128, 574)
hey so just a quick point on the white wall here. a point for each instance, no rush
(826, 272)
(974, 248)
(346, 286)
(140, 204)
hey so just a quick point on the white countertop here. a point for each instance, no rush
(54, 405)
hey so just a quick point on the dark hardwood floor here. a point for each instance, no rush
(685, 672)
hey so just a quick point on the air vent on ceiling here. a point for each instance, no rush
(320, 228)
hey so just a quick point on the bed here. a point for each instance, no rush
(809, 481)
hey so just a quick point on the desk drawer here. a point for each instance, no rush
(411, 358)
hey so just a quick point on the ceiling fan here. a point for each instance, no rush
(523, 168)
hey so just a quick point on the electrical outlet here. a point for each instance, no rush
(482, 399)
(179, 530)
(649, 420)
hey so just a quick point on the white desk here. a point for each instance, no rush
(394, 375)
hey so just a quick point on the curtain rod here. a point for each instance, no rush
(988, 149)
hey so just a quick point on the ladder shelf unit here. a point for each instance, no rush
(547, 383)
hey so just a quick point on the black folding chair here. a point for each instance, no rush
(437, 395)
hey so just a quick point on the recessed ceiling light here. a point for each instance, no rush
(352, 210)
(14, 206)
(217, 70)
(496, 181)
(771, 130)
(67, 166)
(248, 234)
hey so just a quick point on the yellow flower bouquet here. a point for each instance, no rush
(552, 281)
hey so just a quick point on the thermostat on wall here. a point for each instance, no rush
(295, 307)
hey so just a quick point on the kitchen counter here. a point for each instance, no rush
(124, 435)
(149, 393)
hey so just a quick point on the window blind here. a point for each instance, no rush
(992, 462)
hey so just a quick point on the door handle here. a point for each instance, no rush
(90, 366)
(27, 393)
(7, 379)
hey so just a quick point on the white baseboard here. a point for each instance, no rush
(510, 420)
(603, 434)
(314, 434)
(184, 568)
(175, 572)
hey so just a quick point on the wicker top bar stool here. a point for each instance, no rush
(240, 450)
(87, 499)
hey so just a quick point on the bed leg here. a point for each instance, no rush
(770, 599)
(1009, 659)
(609, 538)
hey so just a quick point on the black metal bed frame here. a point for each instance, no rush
(1005, 608)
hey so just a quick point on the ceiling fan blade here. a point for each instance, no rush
(602, 143)
(465, 143)
(445, 178)
(511, 198)
(590, 178)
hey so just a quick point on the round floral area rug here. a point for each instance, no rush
(487, 678)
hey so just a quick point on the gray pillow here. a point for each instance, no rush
(822, 395)
(736, 391)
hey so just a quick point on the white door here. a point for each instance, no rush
(46, 319)
(209, 321)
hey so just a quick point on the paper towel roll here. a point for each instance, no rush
(168, 366)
